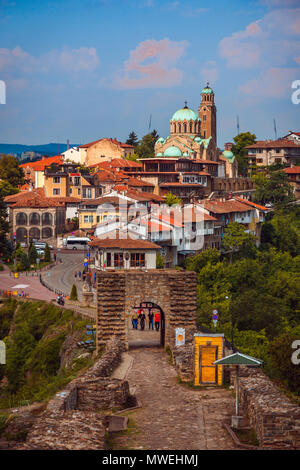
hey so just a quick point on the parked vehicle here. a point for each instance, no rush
(76, 243)
(42, 245)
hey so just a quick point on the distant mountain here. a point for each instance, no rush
(46, 149)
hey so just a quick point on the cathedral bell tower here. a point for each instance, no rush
(208, 114)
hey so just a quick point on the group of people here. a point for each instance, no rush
(139, 318)
(83, 275)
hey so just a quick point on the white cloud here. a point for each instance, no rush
(272, 83)
(67, 60)
(151, 65)
(209, 72)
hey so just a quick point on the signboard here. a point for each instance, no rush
(179, 336)
(2, 353)
(215, 317)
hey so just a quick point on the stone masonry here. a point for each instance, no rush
(75, 418)
(274, 417)
(118, 292)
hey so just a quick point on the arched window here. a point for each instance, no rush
(46, 232)
(184, 127)
(34, 218)
(34, 233)
(175, 127)
(21, 234)
(21, 218)
(179, 128)
(46, 218)
(191, 127)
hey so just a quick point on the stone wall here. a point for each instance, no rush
(73, 419)
(274, 417)
(118, 292)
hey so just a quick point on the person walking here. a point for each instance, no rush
(157, 320)
(134, 320)
(142, 320)
(150, 317)
(75, 275)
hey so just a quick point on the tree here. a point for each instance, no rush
(73, 295)
(5, 190)
(197, 262)
(274, 188)
(10, 170)
(145, 148)
(25, 263)
(281, 352)
(236, 238)
(242, 140)
(32, 253)
(160, 264)
(172, 200)
(132, 139)
(47, 257)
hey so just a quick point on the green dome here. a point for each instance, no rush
(172, 151)
(197, 139)
(159, 154)
(161, 139)
(185, 114)
(207, 90)
(228, 155)
(186, 154)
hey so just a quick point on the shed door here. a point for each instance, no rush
(208, 371)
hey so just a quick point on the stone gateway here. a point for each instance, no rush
(119, 292)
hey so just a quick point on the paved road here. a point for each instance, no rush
(173, 416)
(61, 277)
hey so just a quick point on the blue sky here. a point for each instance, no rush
(86, 69)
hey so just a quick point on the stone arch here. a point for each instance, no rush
(46, 232)
(47, 218)
(35, 233)
(34, 218)
(21, 218)
(21, 234)
(175, 292)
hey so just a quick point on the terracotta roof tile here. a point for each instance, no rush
(124, 243)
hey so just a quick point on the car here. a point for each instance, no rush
(40, 252)
(42, 245)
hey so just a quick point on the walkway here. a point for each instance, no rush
(173, 416)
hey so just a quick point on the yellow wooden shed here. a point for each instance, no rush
(209, 347)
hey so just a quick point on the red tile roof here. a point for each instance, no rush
(250, 203)
(280, 143)
(294, 170)
(222, 207)
(40, 165)
(124, 243)
(117, 163)
(36, 198)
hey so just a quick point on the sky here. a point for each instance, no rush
(86, 69)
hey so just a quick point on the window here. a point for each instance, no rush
(204, 117)
(118, 260)
(71, 190)
(91, 218)
(56, 191)
(98, 218)
(56, 179)
(137, 260)
(204, 134)
(86, 219)
(108, 259)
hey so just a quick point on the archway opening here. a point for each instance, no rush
(146, 326)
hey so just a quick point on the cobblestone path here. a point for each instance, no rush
(173, 416)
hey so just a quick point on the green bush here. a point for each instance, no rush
(73, 295)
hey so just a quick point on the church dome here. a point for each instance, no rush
(172, 151)
(185, 114)
(207, 90)
(228, 155)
